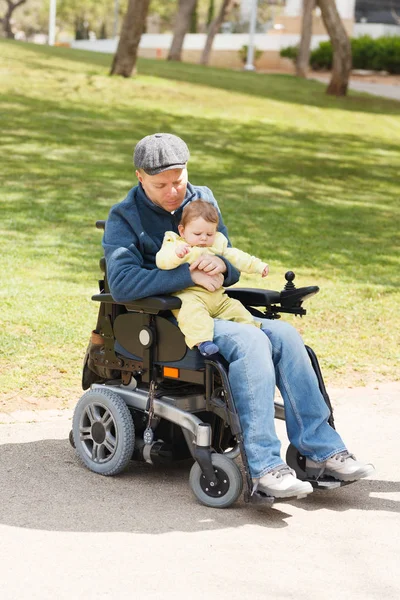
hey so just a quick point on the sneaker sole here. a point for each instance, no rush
(290, 493)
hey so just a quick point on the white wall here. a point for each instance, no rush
(346, 8)
(293, 8)
(375, 29)
(196, 41)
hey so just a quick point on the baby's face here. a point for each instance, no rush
(199, 232)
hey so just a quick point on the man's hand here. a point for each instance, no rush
(207, 281)
(212, 265)
(265, 272)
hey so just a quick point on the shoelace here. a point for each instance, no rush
(343, 456)
(281, 471)
(278, 473)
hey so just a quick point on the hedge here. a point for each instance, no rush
(380, 54)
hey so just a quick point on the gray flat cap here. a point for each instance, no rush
(160, 152)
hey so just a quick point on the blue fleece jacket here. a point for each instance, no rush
(134, 233)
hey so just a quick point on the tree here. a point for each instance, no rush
(213, 29)
(303, 56)
(182, 24)
(6, 19)
(341, 48)
(124, 62)
(90, 15)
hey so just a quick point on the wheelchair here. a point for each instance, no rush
(149, 397)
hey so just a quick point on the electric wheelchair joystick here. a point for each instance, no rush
(289, 276)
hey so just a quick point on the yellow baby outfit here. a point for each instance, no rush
(199, 306)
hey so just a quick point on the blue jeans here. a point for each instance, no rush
(259, 362)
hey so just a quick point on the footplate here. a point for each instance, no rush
(327, 483)
(259, 498)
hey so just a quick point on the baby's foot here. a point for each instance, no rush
(208, 348)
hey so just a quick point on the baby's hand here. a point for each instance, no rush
(182, 250)
(265, 272)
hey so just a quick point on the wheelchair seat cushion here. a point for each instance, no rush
(192, 360)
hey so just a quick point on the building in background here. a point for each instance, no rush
(377, 17)
(378, 11)
(287, 15)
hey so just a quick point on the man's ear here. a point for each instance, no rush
(139, 176)
(181, 230)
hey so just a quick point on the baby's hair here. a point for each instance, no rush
(199, 208)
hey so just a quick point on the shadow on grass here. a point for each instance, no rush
(315, 200)
(283, 88)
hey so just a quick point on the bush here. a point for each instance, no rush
(321, 58)
(243, 54)
(290, 52)
(363, 50)
(387, 55)
(381, 54)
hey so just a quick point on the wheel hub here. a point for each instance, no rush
(98, 432)
(215, 490)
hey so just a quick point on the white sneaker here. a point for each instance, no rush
(342, 466)
(282, 482)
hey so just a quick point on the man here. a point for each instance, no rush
(257, 362)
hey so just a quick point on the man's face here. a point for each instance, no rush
(166, 189)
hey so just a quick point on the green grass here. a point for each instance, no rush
(305, 181)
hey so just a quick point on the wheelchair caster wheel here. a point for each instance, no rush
(71, 438)
(229, 485)
(103, 432)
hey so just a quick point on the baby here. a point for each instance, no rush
(198, 235)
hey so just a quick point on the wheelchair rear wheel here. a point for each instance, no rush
(103, 432)
(228, 488)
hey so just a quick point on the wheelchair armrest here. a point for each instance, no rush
(288, 299)
(298, 295)
(254, 297)
(151, 304)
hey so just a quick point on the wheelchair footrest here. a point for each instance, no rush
(259, 498)
(327, 483)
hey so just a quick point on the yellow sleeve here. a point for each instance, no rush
(166, 257)
(243, 261)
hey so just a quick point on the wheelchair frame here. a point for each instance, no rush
(135, 380)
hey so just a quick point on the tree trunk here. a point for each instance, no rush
(6, 20)
(124, 62)
(182, 24)
(226, 7)
(341, 48)
(303, 57)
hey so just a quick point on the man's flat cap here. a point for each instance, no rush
(160, 152)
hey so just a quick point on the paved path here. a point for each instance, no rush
(68, 533)
(377, 89)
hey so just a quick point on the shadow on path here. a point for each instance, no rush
(45, 487)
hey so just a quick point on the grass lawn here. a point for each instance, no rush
(305, 181)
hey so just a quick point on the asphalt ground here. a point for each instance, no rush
(68, 533)
(384, 90)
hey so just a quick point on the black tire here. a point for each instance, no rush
(297, 462)
(228, 488)
(71, 438)
(103, 432)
